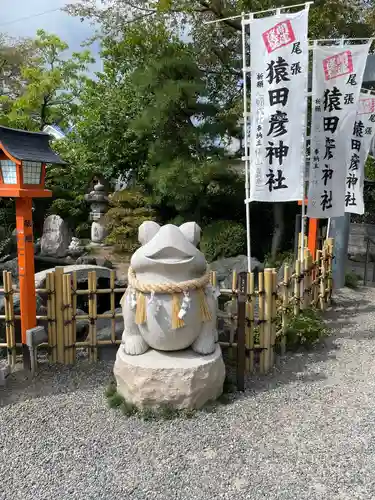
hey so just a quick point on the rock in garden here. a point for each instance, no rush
(224, 268)
(81, 270)
(182, 379)
(104, 332)
(10, 266)
(56, 238)
(104, 326)
(86, 260)
(75, 248)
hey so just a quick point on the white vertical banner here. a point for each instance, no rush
(360, 143)
(279, 70)
(337, 79)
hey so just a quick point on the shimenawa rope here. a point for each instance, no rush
(175, 289)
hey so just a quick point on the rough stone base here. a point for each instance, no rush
(181, 379)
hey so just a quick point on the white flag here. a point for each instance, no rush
(337, 79)
(360, 143)
(279, 69)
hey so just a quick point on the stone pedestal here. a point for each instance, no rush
(98, 201)
(98, 232)
(181, 379)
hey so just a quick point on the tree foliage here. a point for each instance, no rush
(170, 98)
(47, 84)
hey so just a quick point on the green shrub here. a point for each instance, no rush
(287, 257)
(306, 329)
(351, 280)
(129, 209)
(83, 230)
(74, 210)
(115, 401)
(222, 239)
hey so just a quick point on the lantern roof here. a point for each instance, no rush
(28, 146)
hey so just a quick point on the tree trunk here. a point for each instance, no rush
(279, 226)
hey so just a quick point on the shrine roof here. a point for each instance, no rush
(28, 146)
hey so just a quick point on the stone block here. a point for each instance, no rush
(181, 379)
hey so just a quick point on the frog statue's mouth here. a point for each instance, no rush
(169, 255)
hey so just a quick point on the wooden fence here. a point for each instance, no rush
(255, 319)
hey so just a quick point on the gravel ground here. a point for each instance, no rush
(304, 432)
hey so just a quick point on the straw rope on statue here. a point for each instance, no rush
(180, 297)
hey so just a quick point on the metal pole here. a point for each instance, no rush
(246, 114)
(303, 211)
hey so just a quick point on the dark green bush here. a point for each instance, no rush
(74, 210)
(129, 209)
(305, 330)
(222, 239)
(351, 280)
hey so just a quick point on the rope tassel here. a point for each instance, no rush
(177, 322)
(203, 306)
(140, 315)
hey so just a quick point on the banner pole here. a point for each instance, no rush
(303, 206)
(341, 44)
(245, 70)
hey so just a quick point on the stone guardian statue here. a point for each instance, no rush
(170, 317)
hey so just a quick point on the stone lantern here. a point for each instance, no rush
(99, 202)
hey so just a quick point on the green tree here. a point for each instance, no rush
(14, 54)
(212, 57)
(51, 85)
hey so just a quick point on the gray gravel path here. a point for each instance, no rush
(304, 432)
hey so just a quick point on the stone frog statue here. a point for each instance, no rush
(169, 304)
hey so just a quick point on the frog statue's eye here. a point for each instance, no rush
(192, 232)
(147, 231)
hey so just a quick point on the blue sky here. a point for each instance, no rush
(69, 29)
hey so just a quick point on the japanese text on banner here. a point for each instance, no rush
(279, 62)
(337, 80)
(360, 143)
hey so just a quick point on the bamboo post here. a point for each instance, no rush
(74, 314)
(322, 280)
(306, 279)
(68, 326)
(233, 308)
(92, 315)
(316, 278)
(274, 317)
(49, 325)
(268, 317)
(297, 288)
(9, 318)
(250, 323)
(330, 275)
(326, 275)
(59, 304)
(12, 329)
(113, 310)
(66, 340)
(284, 320)
(51, 313)
(261, 322)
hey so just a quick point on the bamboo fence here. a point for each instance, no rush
(255, 325)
